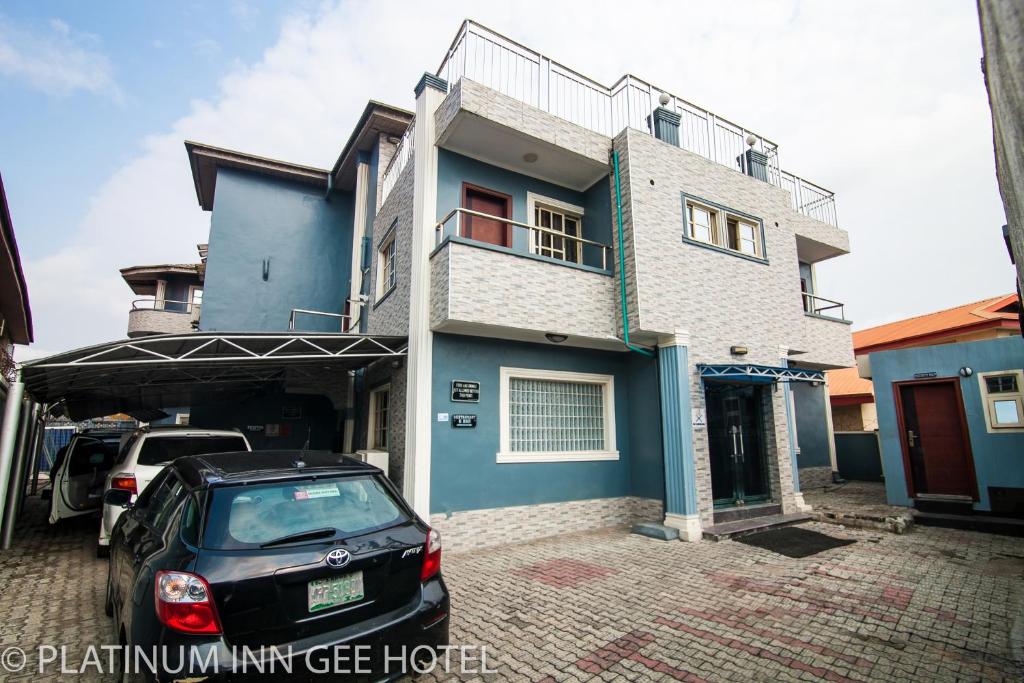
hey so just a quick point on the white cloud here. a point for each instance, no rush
(868, 100)
(58, 62)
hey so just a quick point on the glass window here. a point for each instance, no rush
(1004, 400)
(249, 516)
(380, 412)
(386, 263)
(702, 223)
(164, 449)
(743, 237)
(553, 416)
(555, 220)
(162, 502)
(91, 455)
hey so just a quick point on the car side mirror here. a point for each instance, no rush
(117, 498)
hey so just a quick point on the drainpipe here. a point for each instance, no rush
(622, 263)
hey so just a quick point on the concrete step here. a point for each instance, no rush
(743, 527)
(746, 512)
(1004, 526)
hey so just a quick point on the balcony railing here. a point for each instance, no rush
(344, 321)
(399, 161)
(168, 305)
(820, 306)
(502, 64)
(542, 241)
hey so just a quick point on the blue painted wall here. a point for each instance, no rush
(811, 425)
(464, 473)
(997, 457)
(454, 169)
(307, 239)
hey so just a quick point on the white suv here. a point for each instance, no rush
(145, 453)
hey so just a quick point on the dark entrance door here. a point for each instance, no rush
(739, 473)
(494, 204)
(937, 452)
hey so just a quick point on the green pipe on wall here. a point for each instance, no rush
(622, 263)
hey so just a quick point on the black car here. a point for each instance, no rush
(294, 562)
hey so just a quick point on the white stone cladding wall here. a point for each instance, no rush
(391, 316)
(474, 529)
(826, 343)
(479, 285)
(719, 299)
(508, 111)
(148, 321)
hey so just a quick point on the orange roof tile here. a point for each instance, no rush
(904, 332)
(846, 382)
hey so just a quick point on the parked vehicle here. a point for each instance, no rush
(147, 451)
(303, 551)
(78, 473)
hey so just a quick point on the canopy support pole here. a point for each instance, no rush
(9, 434)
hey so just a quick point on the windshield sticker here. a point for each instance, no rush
(316, 491)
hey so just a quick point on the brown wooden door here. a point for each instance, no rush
(487, 229)
(935, 439)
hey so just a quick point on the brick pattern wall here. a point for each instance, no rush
(815, 478)
(391, 316)
(847, 419)
(507, 111)
(145, 321)
(478, 285)
(474, 529)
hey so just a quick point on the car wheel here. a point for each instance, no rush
(102, 551)
(108, 602)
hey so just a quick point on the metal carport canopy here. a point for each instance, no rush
(200, 367)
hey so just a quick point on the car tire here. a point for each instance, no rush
(102, 551)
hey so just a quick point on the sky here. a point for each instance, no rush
(881, 102)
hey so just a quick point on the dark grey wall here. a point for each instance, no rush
(811, 424)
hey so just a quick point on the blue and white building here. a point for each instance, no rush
(608, 293)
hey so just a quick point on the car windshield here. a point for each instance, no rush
(252, 516)
(163, 449)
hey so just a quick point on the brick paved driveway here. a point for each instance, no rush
(933, 604)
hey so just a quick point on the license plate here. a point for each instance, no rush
(340, 590)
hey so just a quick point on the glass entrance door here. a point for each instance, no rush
(738, 468)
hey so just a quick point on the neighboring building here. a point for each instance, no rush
(171, 296)
(852, 396)
(608, 293)
(15, 313)
(1002, 39)
(951, 425)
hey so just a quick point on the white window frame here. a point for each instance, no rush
(192, 289)
(534, 200)
(371, 421)
(507, 455)
(387, 256)
(713, 216)
(988, 401)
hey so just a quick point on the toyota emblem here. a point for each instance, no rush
(338, 558)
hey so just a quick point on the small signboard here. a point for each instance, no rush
(699, 417)
(442, 417)
(464, 391)
(463, 421)
(925, 375)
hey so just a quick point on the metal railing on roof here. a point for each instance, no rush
(399, 161)
(491, 59)
(345, 322)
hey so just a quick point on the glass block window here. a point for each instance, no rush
(550, 415)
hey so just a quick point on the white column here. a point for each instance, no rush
(358, 233)
(430, 93)
(9, 436)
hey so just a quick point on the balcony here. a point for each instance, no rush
(826, 334)
(550, 283)
(821, 307)
(162, 316)
(489, 59)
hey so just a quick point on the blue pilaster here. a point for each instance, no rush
(677, 431)
(787, 397)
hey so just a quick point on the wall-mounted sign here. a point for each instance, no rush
(463, 421)
(925, 375)
(464, 391)
(442, 417)
(699, 418)
(291, 413)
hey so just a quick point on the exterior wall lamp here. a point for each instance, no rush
(555, 338)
